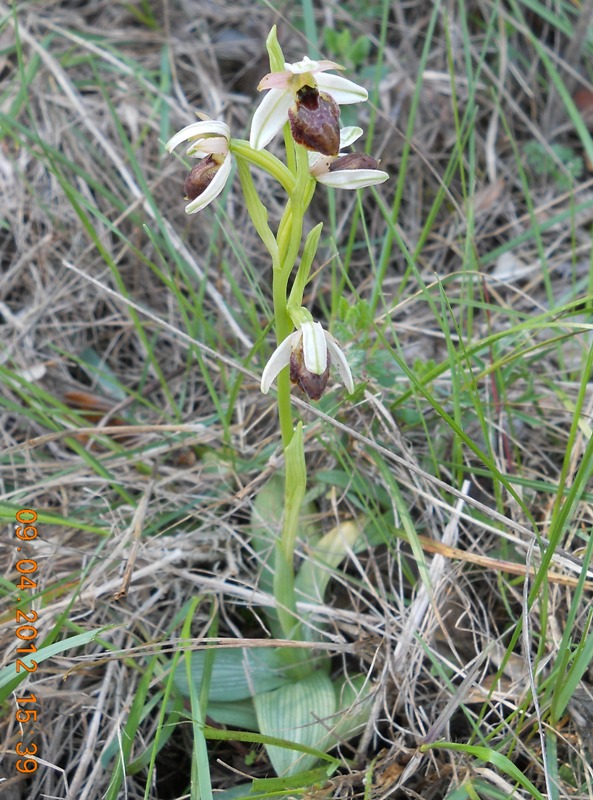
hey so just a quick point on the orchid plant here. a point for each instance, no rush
(303, 100)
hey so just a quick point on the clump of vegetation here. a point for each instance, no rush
(559, 164)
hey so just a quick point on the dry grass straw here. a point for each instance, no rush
(139, 517)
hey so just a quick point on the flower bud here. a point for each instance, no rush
(354, 161)
(315, 121)
(200, 177)
(313, 385)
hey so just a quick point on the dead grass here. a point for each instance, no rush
(457, 460)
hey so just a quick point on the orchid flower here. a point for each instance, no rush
(346, 170)
(308, 352)
(209, 141)
(302, 90)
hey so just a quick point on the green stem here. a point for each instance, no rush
(266, 161)
(284, 250)
(299, 201)
(295, 486)
(283, 329)
(290, 234)
(289, 242)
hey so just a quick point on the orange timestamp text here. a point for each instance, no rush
(26, 633)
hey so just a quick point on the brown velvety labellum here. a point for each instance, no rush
(313, 385)
(200, 177)
(315, 121)
(354, 161)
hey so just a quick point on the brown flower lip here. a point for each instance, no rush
(200, 177)
(315, 121)
(354, 161)
(312, 385)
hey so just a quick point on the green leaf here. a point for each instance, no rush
(490, 756)
(546, 162)
(301, 780)
(97, 369)
(322, 560)
(9, 677)
(354, 700)
(295, 299)
(292, 713)
(359, 52)
(266, 526)
(265, 788)
(242, 791)
(257, 210)
(238, 673)
(240, 713)
(266, 529)
(266, 517)
(296, 484)
(583, 657)
(200, 762)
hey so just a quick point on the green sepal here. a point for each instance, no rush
(275, 51)
(257, 211)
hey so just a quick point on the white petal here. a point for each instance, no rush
(212, 191)
(339, 359)
(307, 65)
(208, 146)
(324, 65)
(341, 89)
(280, 358)
(352, 178)
(269, 117)
(196, 130)
(314, 347)
(349, 135)
(300, 67)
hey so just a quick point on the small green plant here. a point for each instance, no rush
(354, 53)
(543, 164)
